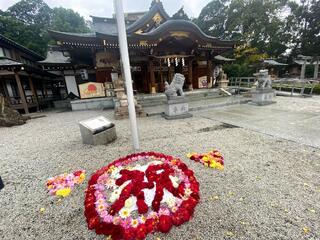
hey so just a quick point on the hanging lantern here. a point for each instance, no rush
(169, 64)
(183, 63)
(176, 60)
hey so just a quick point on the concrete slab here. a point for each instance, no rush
(301, 125)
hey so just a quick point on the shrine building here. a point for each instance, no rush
(159, 46)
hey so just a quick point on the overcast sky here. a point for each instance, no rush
(104, 8)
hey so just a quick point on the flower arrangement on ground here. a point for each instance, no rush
(212, 159)
(140, 194)
(62, 185)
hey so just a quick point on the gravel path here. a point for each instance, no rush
(270, 188)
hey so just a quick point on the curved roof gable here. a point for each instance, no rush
(153, 15)
(183, 28)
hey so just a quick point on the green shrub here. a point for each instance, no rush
(239, 70)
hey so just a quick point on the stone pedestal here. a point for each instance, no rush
(263, 97)
(223, 83)
(97, 131)
(121, 110)
(177, 108)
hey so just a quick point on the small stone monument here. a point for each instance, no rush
(177, 106)
(97, 131)
(8, 116)
(263, 94)
(121, 101)
(224, 81)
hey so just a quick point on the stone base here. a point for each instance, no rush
(262, 97)
(123, 112)
(182, 116)
(101, 138)
(177, 108)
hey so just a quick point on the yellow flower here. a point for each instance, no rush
(205, 158)
(189, 155)
(111, 169)
(63, 192)
(124, 213)
(82, 177)
(306, 230)
(134, 223)
(42, 210)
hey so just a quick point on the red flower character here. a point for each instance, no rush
(165, 223)
(141, 231)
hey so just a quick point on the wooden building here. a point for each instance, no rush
(159, 46)
(25, 84)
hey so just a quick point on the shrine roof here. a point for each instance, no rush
(182, 26)
(20, 47)
(4, 61)
(156, 7)
(55, 57)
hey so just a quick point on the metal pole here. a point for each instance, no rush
(303, 70)
(316, 69)
(123, 44)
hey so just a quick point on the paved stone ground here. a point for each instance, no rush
(296, 119)
(270, 188)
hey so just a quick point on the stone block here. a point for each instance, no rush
(263, 97)
(177, 108)
(97, 131)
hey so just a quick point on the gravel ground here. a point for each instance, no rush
(270, 188)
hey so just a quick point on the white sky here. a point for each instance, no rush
(104, 8)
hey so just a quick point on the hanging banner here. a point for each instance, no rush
(92, 90)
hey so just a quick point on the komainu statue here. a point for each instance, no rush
(264, 81)
(176, 87)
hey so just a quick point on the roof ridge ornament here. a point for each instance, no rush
(156, 2)
(181, 14)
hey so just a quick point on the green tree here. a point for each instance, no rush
(66, 20)
(32, 12)
(27, 22)
(213, 17)
(257, 23)
(23, 34)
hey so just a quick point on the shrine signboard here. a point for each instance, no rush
(92, 90)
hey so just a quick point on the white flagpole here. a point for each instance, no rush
(123, 44)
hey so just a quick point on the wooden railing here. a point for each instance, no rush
(242, 82)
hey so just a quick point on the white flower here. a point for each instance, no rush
(129, 202)
(171, 202)
(174, 181)
(114, 196)
(124, 213)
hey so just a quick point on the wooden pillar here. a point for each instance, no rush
(4, 85)
(21, 93)
(161, 77)
(190, 75)
(209, 77)
(152, 78)
(34, 92)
